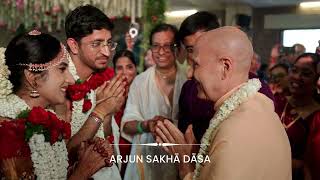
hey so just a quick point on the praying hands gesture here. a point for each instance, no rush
(167, 132)
(110, 96)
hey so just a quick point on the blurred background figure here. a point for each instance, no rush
(148, 59)
(255, 63)
(295, 52)
(281, 53)
(278, 79)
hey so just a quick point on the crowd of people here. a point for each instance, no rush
(65, 114)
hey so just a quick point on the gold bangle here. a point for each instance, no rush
(96, 118)
(98, 113)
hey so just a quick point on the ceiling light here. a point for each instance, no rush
(311, 4)
(181, 13)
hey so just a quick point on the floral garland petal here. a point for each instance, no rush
(233, 102)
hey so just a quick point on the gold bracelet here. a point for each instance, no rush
(96, 118)
(98, 113)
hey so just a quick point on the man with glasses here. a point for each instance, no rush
(90, 45)
(153, 96)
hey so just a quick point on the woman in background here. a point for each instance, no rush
(300, 112)
(313, 145)
(123, 63)
(279, 83)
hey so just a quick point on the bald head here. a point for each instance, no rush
(223, 56)
(229, 42)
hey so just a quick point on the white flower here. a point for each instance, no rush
(49, 162)
(5, 84)
(11, 106)
(229, 105)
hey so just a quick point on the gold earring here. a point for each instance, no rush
(34, 94)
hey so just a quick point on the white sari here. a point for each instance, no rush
(145, 101)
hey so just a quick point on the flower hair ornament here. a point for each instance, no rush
(43, 67)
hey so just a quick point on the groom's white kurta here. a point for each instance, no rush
(144, 102)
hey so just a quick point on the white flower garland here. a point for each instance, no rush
(11, 106)
(49, 162)
(5, 84)
(232, 103)
(78, 117)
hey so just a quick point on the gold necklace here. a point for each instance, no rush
(286, 127)
(165, 75)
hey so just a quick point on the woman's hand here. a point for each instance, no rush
(93, 156)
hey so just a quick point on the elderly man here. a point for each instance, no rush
(192, 109)
(152, 94)
(245, 139)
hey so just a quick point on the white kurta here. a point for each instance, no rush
(145, 101)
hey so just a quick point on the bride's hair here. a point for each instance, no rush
(29, 48)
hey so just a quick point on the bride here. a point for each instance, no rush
(33, 77)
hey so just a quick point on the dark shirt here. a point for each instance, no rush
(199, 112)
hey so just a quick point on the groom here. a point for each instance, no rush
(90, 45)
(249, 142)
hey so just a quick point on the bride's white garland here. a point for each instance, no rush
(78, 117)
(233, 102)
(49, 161)
(5, 84)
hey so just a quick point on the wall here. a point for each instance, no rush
(121, 26)
(268, 24)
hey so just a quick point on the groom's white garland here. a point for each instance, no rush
(224, 111)
(78, 117)
(49, 161)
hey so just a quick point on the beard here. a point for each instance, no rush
(96, 64)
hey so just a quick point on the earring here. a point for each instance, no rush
(34, 94)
